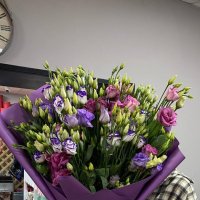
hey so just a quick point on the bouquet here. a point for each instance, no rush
(81, 138)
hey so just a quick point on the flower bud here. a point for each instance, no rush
(50, 119)
(75, 99)
(63, 92)
(95, 84)
(39, 146)
(91, 167)
(180, 103)
(101, 92)
(172, 79)
(69, 166)
(177, 85)
(130, 89)
(186, 89)
(90, 80)
(41, 113)
(78, 78)
(95, 94)
(76, 136)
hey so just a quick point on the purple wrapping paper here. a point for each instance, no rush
(69, 188)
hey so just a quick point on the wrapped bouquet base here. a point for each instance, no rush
(68, 187)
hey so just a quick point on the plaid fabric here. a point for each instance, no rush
(175, 187)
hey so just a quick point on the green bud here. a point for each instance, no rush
(76, 136)
(50, 119)
(75, 99)
(90, 80)
(119, 117)
(75, 85)
(101, 92)
(186, 89)
(172, 79)
(65, 134)
(180, 103)
(126, 129)
(177, 85)
(91, 167)
(39, 138)
(78, 78)
(39, 146)
(63, 92)
(69, 166)
(41, 113)
(130, 89)
(124, 78)
(95, 84)
(95, 94)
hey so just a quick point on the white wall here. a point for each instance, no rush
(154, 38)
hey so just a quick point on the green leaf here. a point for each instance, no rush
(161, 142)
(89, 153)
(102, 172)
(92, 188)
(104, 181)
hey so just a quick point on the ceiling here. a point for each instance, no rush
(193, 2)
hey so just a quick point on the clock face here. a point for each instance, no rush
(6, 29)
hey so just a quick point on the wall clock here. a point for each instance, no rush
(6, 28)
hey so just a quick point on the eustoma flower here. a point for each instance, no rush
(167, 117)
(131, 103)
(39, 157)
(140, 159)
(112, 92)
(82, 96)
(70, 91)
(85, 117)
(129, 136)
(69, 146)
(58, 104)
(114, 139)
(104, 117)
(47, 92)
(172, 94)
(70, 120)
(56, 144)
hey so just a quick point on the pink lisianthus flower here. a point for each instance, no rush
(167, 117)
(57, 163)
(172, 94)
(90, 105)
(131, 103)
(112, 92)
(148, 149)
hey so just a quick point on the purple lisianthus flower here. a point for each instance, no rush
(142, 141)
(140, 159)
(85, 117)
(82, 96)
(70, 91)
(104, 117)
(69, 146)
(47, 92)
(56, 145)
(70, 120)
(39, 157)
(114, 139)
(58, 103)
(158, 168)
(129, 136)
